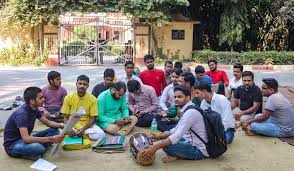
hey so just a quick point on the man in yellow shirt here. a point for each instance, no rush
(82, 98)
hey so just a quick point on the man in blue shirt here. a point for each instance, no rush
(199, 72)
(18, 140)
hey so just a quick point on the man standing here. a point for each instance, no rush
(250, 98)
(18, 140)
(219, 78)
(200, 77)
(277, 119)
(168, 69)
(54, 95)
(236, 81)
(180, 142)
(82, 98)
(153, 77)
(129, 75)
(142, 102)
(108, 81)
(221, 105)
(113, 111)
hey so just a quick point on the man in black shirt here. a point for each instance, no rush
(108, 81)
(249, 98)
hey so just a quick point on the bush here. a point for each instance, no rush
(245, 58)
(22, 55)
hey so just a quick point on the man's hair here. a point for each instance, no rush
(199, 69)
(133, 85)
(52, 75)
(178, 71)
(83, 78)
(168, 62)
(248, 73)
(129, 63)
(148, 57)
(184, 89)
(190, 79)
(203, 86)
(31, 93)
(109, 72)
(240, 66)
(119, 85)
(178, 65)
(212, 60)
(271, 83)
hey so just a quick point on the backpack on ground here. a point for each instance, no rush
(217, 142)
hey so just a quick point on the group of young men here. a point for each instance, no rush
(118, 104)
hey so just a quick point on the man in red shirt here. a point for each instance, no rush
(219, 78)
(153, 77)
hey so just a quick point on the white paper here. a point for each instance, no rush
(73, 120)
(43, 165)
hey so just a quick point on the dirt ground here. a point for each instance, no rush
(244, 154)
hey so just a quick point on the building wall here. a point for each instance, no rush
(181, 48)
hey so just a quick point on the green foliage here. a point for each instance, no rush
(22, 55)
(233, 23)
(245, 58)
(32, 12)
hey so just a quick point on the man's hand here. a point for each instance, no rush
(139, 114)
(238, 115)
(245, 125)
(72, 132)
(165, 134)
(127, 121)
(56, 138)
(119, 123)
(47, 114)
(163, 114)
(80, 132)
(149, 152)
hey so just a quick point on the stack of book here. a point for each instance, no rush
(111, 144)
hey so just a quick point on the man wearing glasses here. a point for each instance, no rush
(277, 119)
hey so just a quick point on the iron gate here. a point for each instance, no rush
(96, 39)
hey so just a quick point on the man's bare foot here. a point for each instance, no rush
(249, 131)
(168, 159)
(237, 124)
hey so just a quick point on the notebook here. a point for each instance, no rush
(73, 140)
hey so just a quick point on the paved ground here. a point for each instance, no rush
(246, 153)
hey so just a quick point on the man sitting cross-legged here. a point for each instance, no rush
(18, 138)
(142, 102)
(277, 119)
(220, 104)
(82, 98)
(54, 95)
(113, 111)
(181, 142)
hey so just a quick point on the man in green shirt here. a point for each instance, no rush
(113, 111)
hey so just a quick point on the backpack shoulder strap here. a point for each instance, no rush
(201, 111)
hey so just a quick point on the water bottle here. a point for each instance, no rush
(154, 126)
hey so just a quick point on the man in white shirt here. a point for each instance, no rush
(129, 75)
(181, 142)
(167, 98)
(236, 81)
(220, 104)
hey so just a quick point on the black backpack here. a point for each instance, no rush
(217, 141)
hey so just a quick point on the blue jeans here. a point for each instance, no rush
(267, 128)
(230, 134)
(184, 150)
(32, 151)
(165, 125)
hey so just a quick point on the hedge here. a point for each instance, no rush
(245, 58)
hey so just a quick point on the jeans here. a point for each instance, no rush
(32, 151)
(145, 120)
(230, 134)
(184, 150)
(166, 125)
(267, 128)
